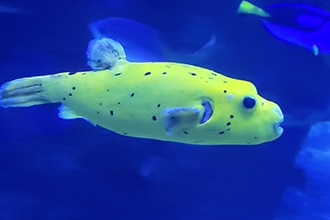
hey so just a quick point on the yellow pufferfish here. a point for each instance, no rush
(156, 100)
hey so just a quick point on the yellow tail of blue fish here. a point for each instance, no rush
(246, 7)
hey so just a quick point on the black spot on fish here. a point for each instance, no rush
(255, 138)
(154, 118)
(84, 73)
(117, 74)
(118, 103)
(111, 112)
(228, 129)
(231, 116)
(125, 133)
(73, 88)
(158, 105)
(185, 132)
(214, 74)
(72, 73)
(228, 123)
(193, 74)
(164, 73)
(224, 91)
(221, 132)
(147, 73)
(100, 103)
(97, 112)
(108, 90)
(225, 81)
(64, 99)
(132, 94)
(70, 94)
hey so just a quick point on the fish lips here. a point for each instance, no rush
(277, 126)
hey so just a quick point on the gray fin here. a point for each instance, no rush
(65, 112)
(315, 50)
(104, 53)
(206, 51)
(177, 119)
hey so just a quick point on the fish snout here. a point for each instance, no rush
(277, 125)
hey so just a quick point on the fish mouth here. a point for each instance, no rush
(208, 111)
(278, 129)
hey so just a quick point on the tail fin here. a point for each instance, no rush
(248, 8)
(24, 92)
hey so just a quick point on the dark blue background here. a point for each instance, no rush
(56, 169)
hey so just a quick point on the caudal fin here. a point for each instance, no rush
(23, 92)
(248, 8)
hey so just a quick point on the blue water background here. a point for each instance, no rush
(59, 169)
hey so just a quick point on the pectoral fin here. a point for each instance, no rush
(177, 119)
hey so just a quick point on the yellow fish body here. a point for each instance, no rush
(164, 101)
(158, 100)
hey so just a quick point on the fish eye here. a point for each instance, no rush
(249, 102)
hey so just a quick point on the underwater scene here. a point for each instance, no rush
(165, 110)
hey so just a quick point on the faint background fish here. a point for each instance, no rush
(145, 43)
(6, 9)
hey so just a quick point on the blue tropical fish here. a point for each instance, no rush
(304, 25)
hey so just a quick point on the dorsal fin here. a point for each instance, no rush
(104, 53)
